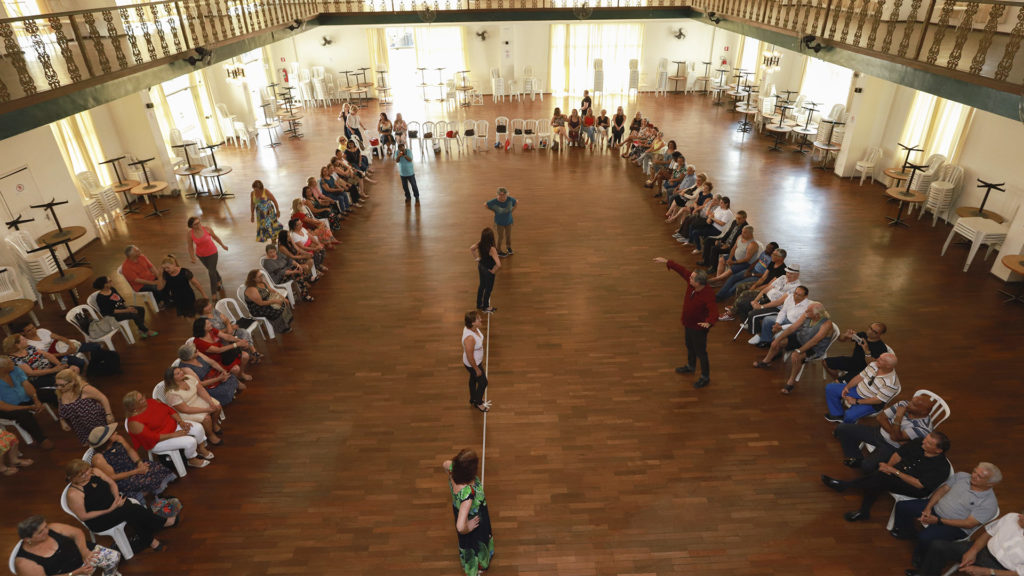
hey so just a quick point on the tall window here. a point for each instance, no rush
(574, 47)
(750, 60)
(76, 138)
(936, 125)
(826, 84)
(440, 47)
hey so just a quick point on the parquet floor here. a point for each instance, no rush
(600, 459)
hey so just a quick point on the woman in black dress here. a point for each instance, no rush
(179, 283)
(488, 263)
(618, 128)
(59, 549)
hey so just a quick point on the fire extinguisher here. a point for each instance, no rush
(284, 73)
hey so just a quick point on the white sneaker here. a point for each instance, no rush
(755, 340)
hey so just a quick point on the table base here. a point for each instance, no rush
(779, 136)
(1018, 297)
(156, 211)
(898, 220)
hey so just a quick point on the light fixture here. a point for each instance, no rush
(770, 60)
(235, 72)
(809, 43)
(713, 16)
(295, 25)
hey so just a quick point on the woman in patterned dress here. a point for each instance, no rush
(9, 460)
(81, 407)
(472, 521)
(264, 210)
(115, 457)
(262, 301)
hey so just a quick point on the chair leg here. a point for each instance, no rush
(122, 543)
(949, 239)
(975, 244)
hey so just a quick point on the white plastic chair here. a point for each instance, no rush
(174, 455)
(287, 287)
(87, 457)
(482, 135)
(468, 134)
(634, 78)
(818, 358)
(414, 133)
(240, 294)
(543, 130)
(516, 127)
(943, 193)
(501, 128)
(451, 133)
(107, 338)
(126, 325)
(924, 179)
(530, 132)
(940, 409)
(14, 554)
(866, 165)
(427, 135)
(147, 297)
(117, 532)
(897, 498)
(979, 231)
(234, 311)
(497, 86)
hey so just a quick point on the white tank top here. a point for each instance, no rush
(478, 347)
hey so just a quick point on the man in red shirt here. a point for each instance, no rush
(699, 313)
(141, 274)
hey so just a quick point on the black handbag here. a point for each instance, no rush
(501, 128)
(469, 132)
(414, 133)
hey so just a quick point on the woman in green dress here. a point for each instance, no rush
(472, 521)
(264, 211)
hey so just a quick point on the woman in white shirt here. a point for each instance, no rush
(354, 123)
(303, 239)
(473, 359)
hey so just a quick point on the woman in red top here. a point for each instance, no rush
(230, 352)
(154, 425)
(201, 243)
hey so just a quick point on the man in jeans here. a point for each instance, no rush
(403, 157)
(503, 206)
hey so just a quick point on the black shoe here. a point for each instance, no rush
(912, 572)
(702, 382)
(900, 535)
(832, 418)
(764, 344)
(837, 485)
(852, 462)
(856, 516)
(684, 369)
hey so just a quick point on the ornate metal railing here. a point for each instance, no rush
(47, 54)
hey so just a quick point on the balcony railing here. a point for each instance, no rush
(45, 54)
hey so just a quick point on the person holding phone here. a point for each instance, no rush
(403, 157)
(867, 347)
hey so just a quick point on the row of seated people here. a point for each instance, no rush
(905, 455)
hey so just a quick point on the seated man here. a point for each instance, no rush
(868, 392)
(808, 336)
(771, 295)
(867, 346)
(954, 511)
(792, 309)
(755, 275)
(898, 424)
(717, 252)
(915, 470)
(142, 275)
(998, 551)
(717, 220)
(680, 183)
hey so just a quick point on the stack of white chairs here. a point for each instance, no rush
(924, 179)
(38, 265)
(105, 202)
(497, 86)
(634, 77)
(978, 231)
(531, 84)
(766, 112)
(866, 165)
(598, 76)
(10, 289)
(661, 84)
(243, 133)
(943, 193)
(320, 95)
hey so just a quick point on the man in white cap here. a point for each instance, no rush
(769, 298)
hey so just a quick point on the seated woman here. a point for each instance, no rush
(219, 383)
(400, 130)
(65, 349)
(345, 173)
(618, 128)
(230, 352)
(262, 301)
(301, 256)
(10, 459)
(135, 478)
(40, 367)
(303, 239)
(589, 121)
(604, 124)
(110, 303)
(575, 124)
(356, 159)
(58, 549)
(192, 401)
(20, 402)
(81, 407)
(323, 200)
(558, 125)
(384, 128)
(155, 426)
(283, 269)
(206, 309)
(321, 231)
(95, 500)
(180, 283)
(328, 209)
(333, 190)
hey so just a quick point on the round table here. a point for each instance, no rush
(747, 111)
(71, 278)
(124, 188)
(902, 195)
(1015, 263)
(463, 92)
(897, 175)
(972, 212)
(11, 310)
(64, 237)
(293, 125)
(191, 170)
(804, 133)
(152, 188)
(780, 132)
(217, 173)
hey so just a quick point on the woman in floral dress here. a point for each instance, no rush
(81, 407)
(115, 457)
(263, 210)
(472, 521)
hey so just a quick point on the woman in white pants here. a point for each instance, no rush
(156, 426)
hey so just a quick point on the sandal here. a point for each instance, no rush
(760, 364)
(787, 389)
(481, 407)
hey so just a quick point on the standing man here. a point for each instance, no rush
(503, 206)
(403, 157)
(699, 314)
(586, 103)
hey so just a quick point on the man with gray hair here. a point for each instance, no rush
(953, 512)
(503, 206)
(807, 337)
(699, 313)
(868, 392)
(141, 274)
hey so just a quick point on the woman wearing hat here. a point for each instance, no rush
(115, 457)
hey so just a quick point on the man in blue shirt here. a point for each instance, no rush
(404, 159)
(503, 206)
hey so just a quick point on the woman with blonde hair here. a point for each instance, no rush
(321, 231)
(184, 393)
(153, 425)
(80, 406)
(180, 284)
(400, 129)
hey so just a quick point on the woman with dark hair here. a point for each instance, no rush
(331, 188)
(469, 506)
(58, 549)
(618, 128)
(327, 209)
(192, 402)
(384, 128)
(575, 124)
(300, 237)
(262, 301)
(201, 243)
(488, 263)
(206, 309)
(115, 457)
(230, 352)
(264, 210)
(219, 383)
(473, 359)
(302, 256)
(321, 199)
(320, 231)
(40, 367)
(283, 269)
(111, 303)
(95, 500)
(180, 284)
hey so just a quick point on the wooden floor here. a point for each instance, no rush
(600, 459)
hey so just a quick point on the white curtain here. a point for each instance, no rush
(826, 84)
(936, 125)
(440, 47)
(80, 147)
(574, 47)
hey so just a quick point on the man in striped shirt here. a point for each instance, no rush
(898, 424)
(868, 392)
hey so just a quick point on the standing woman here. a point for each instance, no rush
(263, 205)
(179, 283)
(354, 124)
(400, 129)
(488, 262)
(343, 116)
(384, 128)
(618, 128)
(472, 520)
(473, 360)
(201, 243)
